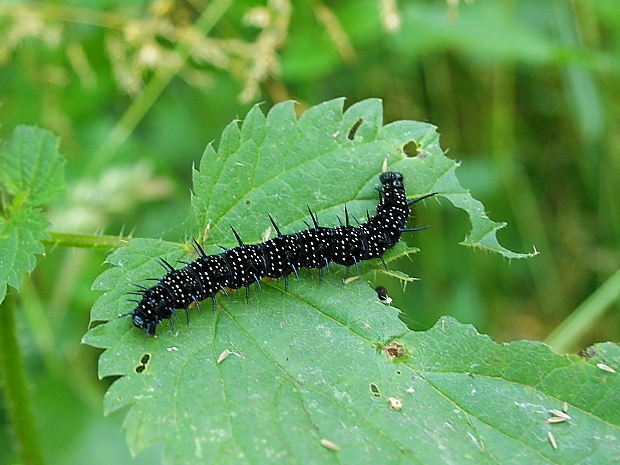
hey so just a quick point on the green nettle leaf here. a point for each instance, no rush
(322, 372)
(20, 240)
(31, 171)
(32, 165)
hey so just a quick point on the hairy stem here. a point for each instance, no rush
(15, 388)
(86, 241)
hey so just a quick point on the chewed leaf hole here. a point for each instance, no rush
(374, 389)
(411, 150)
(144, 360)
(354, 128)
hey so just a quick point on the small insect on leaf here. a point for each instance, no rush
(223, 356)
(605, 367)
(383, 295)
(394, 350)
(552, 440)
(329, 445)
(587, 353)
(266, 234)
(560, 416)
(395, 404)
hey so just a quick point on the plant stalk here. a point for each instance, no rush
(16, 389)
(572, 329)
(86, 241)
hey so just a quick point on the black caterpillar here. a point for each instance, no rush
(315, 247)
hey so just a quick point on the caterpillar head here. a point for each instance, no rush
(140, 322)
(149, 312)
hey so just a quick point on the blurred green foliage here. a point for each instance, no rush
(525, 94)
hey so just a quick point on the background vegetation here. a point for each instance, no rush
(525, 95)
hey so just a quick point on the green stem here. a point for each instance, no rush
(16, 390)
(585, 316)
(86, 241)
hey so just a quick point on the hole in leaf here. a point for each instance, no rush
(411, 150)
(354, 128)
(374, 389)
(398, 372)
(144, 360)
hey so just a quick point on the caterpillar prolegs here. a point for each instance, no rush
(245, 264)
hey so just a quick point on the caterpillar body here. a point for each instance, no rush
(275, 258)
